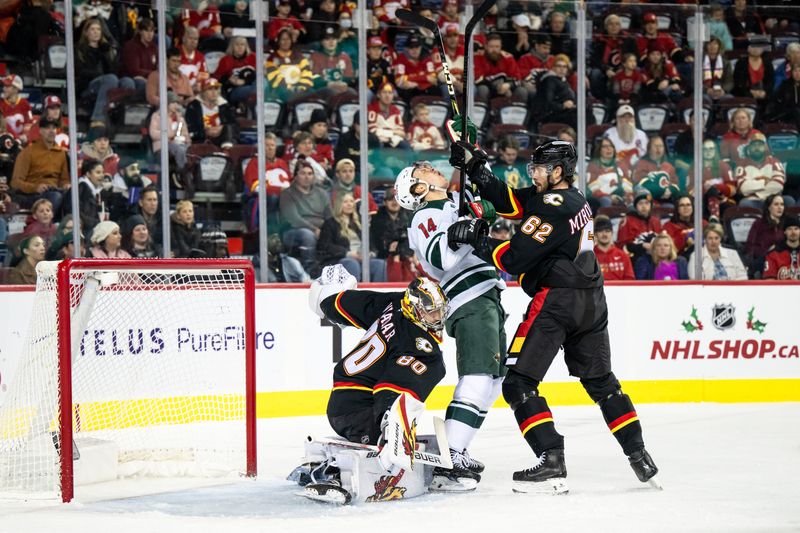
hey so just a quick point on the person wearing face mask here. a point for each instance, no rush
(107, 242)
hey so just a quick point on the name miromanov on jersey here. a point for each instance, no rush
(577, 222)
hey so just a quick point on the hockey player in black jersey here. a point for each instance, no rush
(553, 256)
(399, 353)
(378, 391)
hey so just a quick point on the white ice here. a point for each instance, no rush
(731, 468)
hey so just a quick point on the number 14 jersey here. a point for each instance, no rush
(462, 275)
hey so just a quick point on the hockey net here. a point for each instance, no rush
(132, 368)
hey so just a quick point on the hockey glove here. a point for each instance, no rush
(467, 232)
(453, 128)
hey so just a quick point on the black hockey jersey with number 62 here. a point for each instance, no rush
(394, 356)
(554, 246)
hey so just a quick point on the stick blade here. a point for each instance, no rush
(415, 19)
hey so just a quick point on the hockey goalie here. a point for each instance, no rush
(378, 393)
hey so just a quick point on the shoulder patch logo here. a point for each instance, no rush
(424, 345)
(553, 199)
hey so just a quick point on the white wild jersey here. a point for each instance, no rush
(461, 274)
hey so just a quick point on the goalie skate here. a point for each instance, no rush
(326, 493)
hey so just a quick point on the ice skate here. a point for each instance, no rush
(329, 492)
(548, 476)
(302, 474)
(470, 462)
(645, 468)
(460, 478)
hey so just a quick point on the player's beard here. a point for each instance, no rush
(626, 131)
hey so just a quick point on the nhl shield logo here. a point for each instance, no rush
(723, 316)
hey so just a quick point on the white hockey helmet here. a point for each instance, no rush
(405, 184)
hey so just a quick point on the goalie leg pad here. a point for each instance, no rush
(400, 432)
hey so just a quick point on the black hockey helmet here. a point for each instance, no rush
(425, 302)
(553, 154)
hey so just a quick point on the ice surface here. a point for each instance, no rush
(731, 468)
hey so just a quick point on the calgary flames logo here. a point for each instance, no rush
(386, 489)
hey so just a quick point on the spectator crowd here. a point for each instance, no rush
(640, 174)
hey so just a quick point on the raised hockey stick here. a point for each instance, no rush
(472, 23)
(415, 19)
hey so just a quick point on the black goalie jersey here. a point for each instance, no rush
(395, 355)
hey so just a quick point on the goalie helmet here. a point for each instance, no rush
(553, 154)
(425, 303)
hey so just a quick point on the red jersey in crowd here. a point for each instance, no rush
(276, 172)
(609, 179)
(782, 263)
(530, 65)
(615, 263)
(680, 233)
(418, 71)
(193, 65)
(207, 22)
(17, 114)
(627, 84)
(230, 65)
(720, 178)
(668, 72)
(634, 225)
(732, 141)
(276, 24)
(505, 67)
(665, 40)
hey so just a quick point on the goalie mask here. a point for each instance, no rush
(554, 154)
(411, 191)
(425, 303)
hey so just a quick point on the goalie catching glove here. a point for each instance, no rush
(334, 279)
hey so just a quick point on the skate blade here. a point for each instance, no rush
(655, 483)
(443, 484)
(554, 486)
(326, 494)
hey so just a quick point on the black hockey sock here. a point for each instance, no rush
(620, 415)
(536, 424)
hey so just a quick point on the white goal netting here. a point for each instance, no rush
(158, 378)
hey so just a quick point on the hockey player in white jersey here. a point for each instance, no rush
(476, 319)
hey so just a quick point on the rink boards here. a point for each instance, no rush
(677, 342)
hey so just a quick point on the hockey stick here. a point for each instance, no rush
(477, 16)
(415, 19)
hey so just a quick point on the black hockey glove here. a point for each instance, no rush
(467, 232)
(476, 169)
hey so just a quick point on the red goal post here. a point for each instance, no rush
(179, 307)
